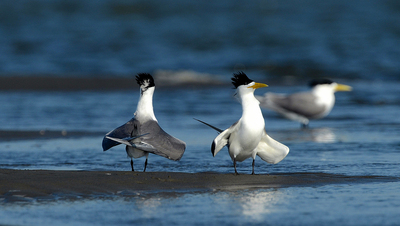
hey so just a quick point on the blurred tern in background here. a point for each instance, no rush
(314, 104)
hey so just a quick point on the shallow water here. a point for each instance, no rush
(359, 137)
(358, 131)
(348, 204)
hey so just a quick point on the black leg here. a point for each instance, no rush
(145, 165)
(234, 165)
(253, 166)
(132, 165)
(304, 126)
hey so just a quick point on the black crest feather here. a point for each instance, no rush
(321, 81)
(240, 78)
(145, 79)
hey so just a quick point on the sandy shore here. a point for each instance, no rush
(40, 183)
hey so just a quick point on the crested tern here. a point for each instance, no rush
(142, 134)
(247, 137)
(314, 104)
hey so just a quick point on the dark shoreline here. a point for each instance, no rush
(54, 83)
(85, 83)
(7, 135)
(45, 183)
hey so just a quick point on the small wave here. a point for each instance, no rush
(185, 77)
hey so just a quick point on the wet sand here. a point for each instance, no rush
(42, 183)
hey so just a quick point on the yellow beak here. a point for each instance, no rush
(258, 85)
(341, 87)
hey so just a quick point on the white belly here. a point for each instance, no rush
(244, 141)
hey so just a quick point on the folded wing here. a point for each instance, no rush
(298, 103)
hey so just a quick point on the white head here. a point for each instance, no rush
(326, 85)
(324, 90)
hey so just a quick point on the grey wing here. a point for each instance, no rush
(304, 104)
(164, 144)
(299, 103)
(129, 129)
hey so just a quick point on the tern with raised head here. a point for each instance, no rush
(142, 134)
(247, 137)
(304, 106)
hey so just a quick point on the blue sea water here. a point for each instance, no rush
(357, 38)
(282, 43)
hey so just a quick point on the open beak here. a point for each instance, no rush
(258, 85)
(341, 87)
